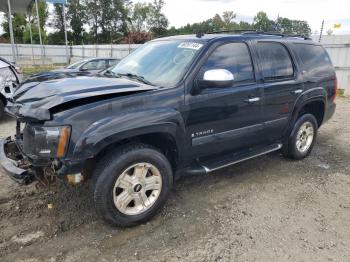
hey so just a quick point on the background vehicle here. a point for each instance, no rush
(89, 66)
(176, 106)
(10, 77)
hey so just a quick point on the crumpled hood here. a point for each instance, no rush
(35, 99)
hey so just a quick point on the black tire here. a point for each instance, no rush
(2, 108)
(290, 148)
(112, 166)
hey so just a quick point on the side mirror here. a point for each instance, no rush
(216, 78)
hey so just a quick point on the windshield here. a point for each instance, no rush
(162, 63)
(76, 64)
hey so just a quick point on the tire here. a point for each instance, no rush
(125, 174)
(300, 136)
(2, 108)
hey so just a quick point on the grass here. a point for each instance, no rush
(29, 70)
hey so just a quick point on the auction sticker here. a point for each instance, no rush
(190, 45)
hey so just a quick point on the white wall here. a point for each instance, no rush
(56, 54)
(338, 47)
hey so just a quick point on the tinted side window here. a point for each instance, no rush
(275, 60)
(234, 57)
(95, 65)
(315, 59)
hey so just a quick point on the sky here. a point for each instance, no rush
(181, 12)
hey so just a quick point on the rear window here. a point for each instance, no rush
(275, 61)
(315, 59)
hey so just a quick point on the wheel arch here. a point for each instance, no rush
(314, 102)
(161, 140)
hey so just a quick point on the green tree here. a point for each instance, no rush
(228, 19)
(58, 23)
(157, 20)
(140, 13)
(93, 15)
(120, 17)
(18, 25)
(288, 26)
(76, 15)
(262, 22)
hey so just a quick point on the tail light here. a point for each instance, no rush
(335, 88)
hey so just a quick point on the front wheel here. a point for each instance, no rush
(302, 138)
(132, 184)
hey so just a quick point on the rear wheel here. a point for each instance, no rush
(132, 184)
(302, 138)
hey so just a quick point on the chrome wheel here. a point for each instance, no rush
(305, 137)
(137, 189)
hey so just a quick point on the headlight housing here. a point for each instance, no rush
(46, 141)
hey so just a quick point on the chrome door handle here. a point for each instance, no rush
(298, 91)
(252, 100)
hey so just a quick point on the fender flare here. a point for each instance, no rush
(117, 128)
(317, 94)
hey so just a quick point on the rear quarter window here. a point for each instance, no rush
(315, 60)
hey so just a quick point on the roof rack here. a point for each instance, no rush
(233, 31)
(254, 31)
(278, 34)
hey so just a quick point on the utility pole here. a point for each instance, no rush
(11, 32)
(65, 31)
(39, 28)
(319, 40)
(31, 36)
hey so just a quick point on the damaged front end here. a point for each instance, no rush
(13, 162)
(33, 153)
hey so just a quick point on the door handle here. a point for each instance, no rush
(298, 91)
(252, 100)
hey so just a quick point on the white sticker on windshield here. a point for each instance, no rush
(190, 45)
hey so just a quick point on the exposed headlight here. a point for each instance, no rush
(45, 142)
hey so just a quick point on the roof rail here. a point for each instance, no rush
(233, 31)
(254, 31)
(278, 34)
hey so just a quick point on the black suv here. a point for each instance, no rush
(176, 106)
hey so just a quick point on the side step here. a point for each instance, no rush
(230, 159)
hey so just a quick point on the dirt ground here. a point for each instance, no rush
(266, 209)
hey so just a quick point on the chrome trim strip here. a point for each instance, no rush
(208, 170)
(234, 133)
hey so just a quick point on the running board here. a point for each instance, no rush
(230, 159)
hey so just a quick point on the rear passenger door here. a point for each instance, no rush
(281, 85)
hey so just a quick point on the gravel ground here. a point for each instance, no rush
(265, 209)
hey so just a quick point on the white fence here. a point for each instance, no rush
(338, 47)
(56, 54)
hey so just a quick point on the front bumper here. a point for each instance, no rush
(11, 166)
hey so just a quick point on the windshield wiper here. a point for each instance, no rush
(137, 77)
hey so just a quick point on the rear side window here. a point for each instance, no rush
(275, 61)
(315, 59)
(234, 57)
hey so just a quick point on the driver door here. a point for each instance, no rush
(223, 119)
